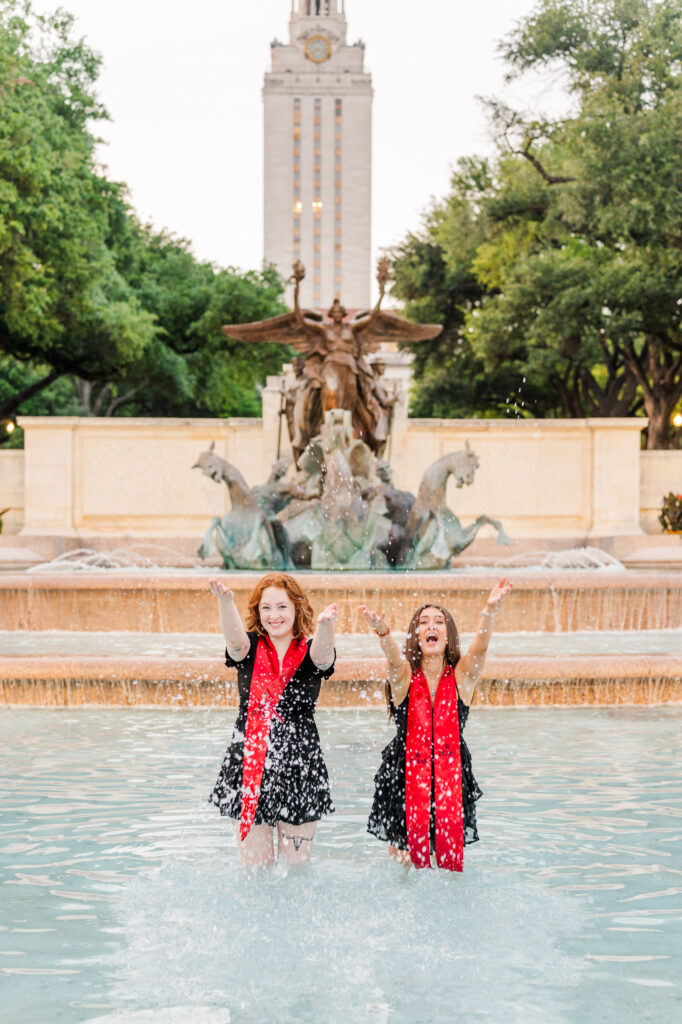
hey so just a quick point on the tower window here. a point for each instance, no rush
(297, 204)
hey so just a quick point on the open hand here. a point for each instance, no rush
(375, 620)
(219, 589)
(328, 614)
(499, 592)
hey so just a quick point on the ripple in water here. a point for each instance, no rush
(122, 899)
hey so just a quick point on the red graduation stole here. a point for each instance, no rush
(433, 738)
(267, 686)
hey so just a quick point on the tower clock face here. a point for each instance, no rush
(318, 49)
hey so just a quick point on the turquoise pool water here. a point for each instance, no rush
(121, 898)
(348, 645)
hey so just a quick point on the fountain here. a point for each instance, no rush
(337, 509)
(341, 511)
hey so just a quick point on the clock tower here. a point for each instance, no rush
(317, 101)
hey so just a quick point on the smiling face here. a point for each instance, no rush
(277, 612)
(432, 633)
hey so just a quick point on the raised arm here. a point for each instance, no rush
(298, 275)
(236, 639)
(470, 666)
(322, 646)
(398, 674)
(383, 274)
(301, 320)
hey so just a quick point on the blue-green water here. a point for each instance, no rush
(121, 891)
(44, 643)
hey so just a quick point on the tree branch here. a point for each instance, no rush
(551, 179)
(13, 403)
(104, 393)
(116, 403)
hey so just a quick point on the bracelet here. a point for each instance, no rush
(489, 611)
(382, 635)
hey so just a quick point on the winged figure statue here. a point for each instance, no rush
(335, 372)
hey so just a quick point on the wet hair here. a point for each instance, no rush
(303, 615)
(413, 652)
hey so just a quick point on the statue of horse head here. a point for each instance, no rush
(463, 465)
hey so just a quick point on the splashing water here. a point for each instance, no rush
(569, 558)
(140, 556)
(123, 901)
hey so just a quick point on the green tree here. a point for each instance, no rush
(435, 278)
(597, 291)
(577, 222)
(190, 368)
(62, 302)
(98, 313)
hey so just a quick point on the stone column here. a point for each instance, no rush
(615, 475)
(49, 481)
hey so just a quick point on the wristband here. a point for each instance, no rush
(382, 635)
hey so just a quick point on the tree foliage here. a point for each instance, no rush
(99, 313)
(577, 223)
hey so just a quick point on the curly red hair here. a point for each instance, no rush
(303, 616)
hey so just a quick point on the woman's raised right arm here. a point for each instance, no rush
(399, 673)
(236, 638)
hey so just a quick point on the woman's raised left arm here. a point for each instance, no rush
(470, 665)
(322, 646)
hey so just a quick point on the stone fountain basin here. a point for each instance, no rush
(68, 681)
(554, 601)
(149, 639)
(68, 668)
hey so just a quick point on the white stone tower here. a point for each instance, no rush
(318, 157)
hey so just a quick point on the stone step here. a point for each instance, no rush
(560, 601)
(202, 682)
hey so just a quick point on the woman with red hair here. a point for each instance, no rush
(273, 775)
(425, 791)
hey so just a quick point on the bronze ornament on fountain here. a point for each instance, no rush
(335, 372)
(339, 508)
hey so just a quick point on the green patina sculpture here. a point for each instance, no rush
(340, 510)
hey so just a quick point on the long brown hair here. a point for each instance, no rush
(303, 616)
(413, 652)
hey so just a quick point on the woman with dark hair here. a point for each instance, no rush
(273, 775)
(425, 791)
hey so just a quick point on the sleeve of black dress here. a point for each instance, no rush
(249, 656)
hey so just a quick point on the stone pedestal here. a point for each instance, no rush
(48, 475)
(615, 476)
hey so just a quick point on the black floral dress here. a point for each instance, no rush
(387, 819)
(295, 783)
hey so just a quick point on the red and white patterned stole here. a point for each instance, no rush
(433, 738)
(267, 686)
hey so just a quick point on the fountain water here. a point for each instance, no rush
(166, 648)
(124, 903)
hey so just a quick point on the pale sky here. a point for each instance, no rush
(182, 82)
